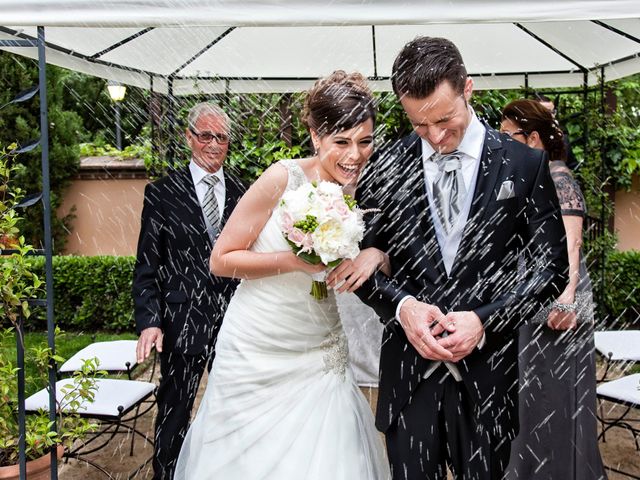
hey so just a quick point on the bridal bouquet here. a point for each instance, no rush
(322, 225)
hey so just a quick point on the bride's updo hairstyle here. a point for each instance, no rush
(338, 102)
(530, 116)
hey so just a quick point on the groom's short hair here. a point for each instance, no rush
(424, 63)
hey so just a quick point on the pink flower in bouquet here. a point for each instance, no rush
(301, 239)
(341, 208)
(286, 223)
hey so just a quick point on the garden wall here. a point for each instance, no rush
(107, 197)
(627, 217)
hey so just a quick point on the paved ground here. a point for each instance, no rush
(618, 451)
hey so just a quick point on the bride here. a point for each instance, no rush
(282, 402)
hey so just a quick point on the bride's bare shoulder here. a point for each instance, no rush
(272, 183)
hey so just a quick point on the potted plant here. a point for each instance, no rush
(17, 284)
(40, 439)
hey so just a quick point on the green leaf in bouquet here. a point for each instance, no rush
(350, 201)
(311, 258)
(335, 263)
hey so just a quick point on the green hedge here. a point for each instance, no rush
(622, 286)
(94, 293)
(91, 293)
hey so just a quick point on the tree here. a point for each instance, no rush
(21, 123)
(89, 98)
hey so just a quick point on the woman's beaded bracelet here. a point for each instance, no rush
(564, 307)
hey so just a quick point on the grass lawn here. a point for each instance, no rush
(67, 344)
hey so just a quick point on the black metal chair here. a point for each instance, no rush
(621, 347)
(117, 405)
(617, 347)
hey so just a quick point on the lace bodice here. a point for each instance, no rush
(296, 175)
(569, 193)
(270, 238)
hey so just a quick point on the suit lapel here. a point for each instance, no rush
(488, 174)
(416, 188)
(233, 193)
(192, 211)
(490, 165)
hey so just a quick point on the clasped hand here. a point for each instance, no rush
(426, 324)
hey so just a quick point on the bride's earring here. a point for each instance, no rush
(315, 142)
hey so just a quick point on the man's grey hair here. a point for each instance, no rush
(206, 109)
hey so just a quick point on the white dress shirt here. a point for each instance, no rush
(470, 149)
(198, 174)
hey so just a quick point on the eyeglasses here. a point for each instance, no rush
(516, 132)
(208, 137)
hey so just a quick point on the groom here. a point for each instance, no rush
(460, 205)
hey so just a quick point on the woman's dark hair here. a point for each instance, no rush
(426, 62)
(530, 117)
(338, 102)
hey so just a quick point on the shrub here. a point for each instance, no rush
(622, 292)
(91, 293)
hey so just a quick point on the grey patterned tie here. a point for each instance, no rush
(210, 206)
(448, 188)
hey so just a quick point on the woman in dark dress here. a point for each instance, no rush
(558, 430)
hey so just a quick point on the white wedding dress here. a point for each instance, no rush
(282, 402)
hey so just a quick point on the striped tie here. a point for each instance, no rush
(210, 206)
(448, 188)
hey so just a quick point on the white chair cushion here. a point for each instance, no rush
(110, 394)
(622, 344)
(626, 389)
(112, 355)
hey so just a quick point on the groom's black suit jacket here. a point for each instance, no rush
(173, 288)
(484, 277)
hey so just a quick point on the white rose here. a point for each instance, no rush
(296, 202)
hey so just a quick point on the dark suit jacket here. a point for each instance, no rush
(484, 277)
(172, 286)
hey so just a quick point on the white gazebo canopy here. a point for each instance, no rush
(198, 46)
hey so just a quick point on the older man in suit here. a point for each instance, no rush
(179, 304)
(472, 226)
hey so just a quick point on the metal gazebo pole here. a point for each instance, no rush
(171, 119)
(46, 202)
(603, 202)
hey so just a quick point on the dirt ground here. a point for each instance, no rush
(618, 451)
